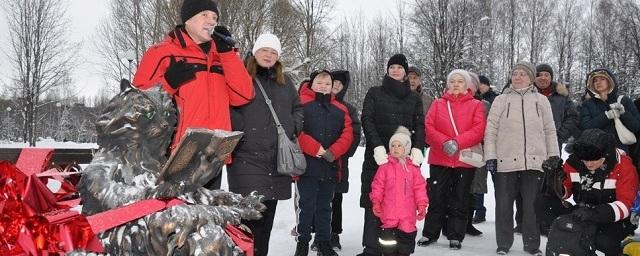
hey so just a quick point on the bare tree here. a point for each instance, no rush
(354, 53)
(311, 17)
(567, 20)
(400, 23)
(40, 53)
(512, 31)
(132, 26)
(446, 25)
(246, 19)
(283, 23)
(539, 27)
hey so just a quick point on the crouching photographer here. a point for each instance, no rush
(603, 183)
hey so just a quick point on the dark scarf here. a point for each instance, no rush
(587, 178)
(323, 99)
(268, 73)
(399, 89)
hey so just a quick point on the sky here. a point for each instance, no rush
(86, 15)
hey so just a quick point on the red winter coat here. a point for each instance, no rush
(400, 189)
(611, 197)
(468, 114)
(204, 101)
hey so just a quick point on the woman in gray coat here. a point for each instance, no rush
(519, 137)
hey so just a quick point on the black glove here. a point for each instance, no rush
(584, 214)
(328, 156)
(492, 166)
(179, 72)
(221, 44)
(552, 164)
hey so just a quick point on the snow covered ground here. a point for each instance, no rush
(48, 143)
(283, 244)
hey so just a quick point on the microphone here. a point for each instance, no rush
(227, 39)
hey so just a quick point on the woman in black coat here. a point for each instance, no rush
(384, 109)
(254, 158)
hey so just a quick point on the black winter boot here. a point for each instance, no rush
(335, 242)
(471, 230)
(324, 249)
(302, 249)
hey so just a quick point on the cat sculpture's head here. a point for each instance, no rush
(137, 120)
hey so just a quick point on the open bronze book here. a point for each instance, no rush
(216, 145)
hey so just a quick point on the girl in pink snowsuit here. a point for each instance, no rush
(399, 197)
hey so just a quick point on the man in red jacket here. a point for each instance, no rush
(203, 77)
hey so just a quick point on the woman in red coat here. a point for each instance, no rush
(450, 179)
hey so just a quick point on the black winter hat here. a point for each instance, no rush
(192, 7)
(544, 68)
(484, 80)
(399, 59)
(594, 144)
(342, 76)
(316, 73)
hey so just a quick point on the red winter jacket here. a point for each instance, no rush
(204, 101)
(400, 189)
(468, 114)
(612, 197)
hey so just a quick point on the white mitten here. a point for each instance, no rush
(416, 156)
(380, 155)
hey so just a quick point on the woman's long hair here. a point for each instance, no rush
(252, 66)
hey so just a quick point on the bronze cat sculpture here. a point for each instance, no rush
(134, 133)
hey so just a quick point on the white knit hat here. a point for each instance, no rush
(461, 72)
(267, 40)
(403, 135)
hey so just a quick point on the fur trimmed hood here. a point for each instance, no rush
(560, 88)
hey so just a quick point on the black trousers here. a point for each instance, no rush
(370, 233)
(449, 194)
(336, 215)
(405, 243)
(509, 185)
(261, 228)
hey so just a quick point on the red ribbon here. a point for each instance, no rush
(106, 220)
(33, 222)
